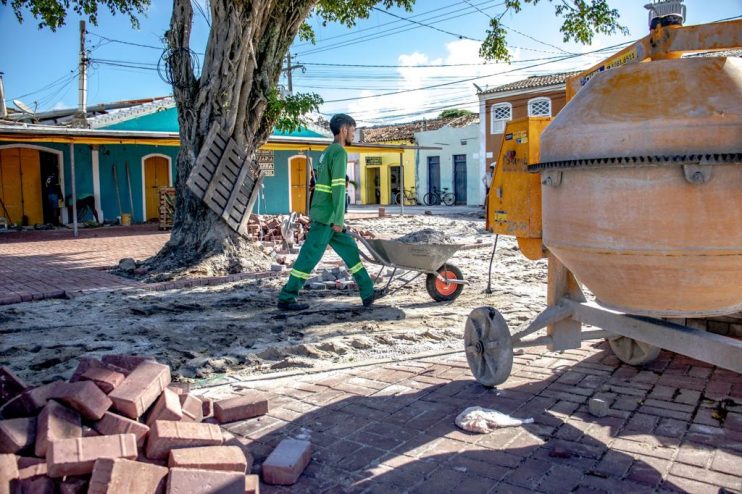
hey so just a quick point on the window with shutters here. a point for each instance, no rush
(539, 107)
(501, 113)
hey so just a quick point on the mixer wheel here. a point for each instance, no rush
(631, 351)
(488, 345)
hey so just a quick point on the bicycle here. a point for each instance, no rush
(410, 198)
(435, 198)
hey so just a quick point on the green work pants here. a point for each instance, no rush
(318, 238)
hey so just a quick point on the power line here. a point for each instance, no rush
(399, 30)
(459, 36)
(357, 31)
(469, 79)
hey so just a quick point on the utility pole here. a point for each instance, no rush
(3, 109)
(289, 69)
(82, 106)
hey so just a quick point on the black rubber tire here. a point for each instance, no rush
(449, 199)
(395, 199)
(435, 294)
(488, 346)
(631, 351)
(430, 199)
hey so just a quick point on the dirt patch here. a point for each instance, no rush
(236, 329)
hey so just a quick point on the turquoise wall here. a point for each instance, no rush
(276, 193)
(273, 200)
(120, 155)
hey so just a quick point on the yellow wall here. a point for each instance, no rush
(387, 160)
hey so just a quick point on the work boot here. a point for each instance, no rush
(378, 293)
(291, 306)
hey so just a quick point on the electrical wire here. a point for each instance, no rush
(469, 79)
(407, 19)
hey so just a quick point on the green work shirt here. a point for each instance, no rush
(328, 201)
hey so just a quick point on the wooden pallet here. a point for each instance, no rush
(226, 180)
(167, 207)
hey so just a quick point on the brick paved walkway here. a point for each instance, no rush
(44, 264)
(390, 428)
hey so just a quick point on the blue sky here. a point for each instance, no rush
(40, 66)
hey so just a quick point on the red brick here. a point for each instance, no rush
(226, 458)
(78, 456)
(10, 385)
(191, 481)
(56, 422)
(30, 401)
(128, 362)
(86, 363)
(119, 476)
(112, 423)
(31, 467)
(180, 388)
(192, 408)
(167, 407)
(252, 484)
(166, 435)
(140, 389)
(8, 472)
(85, 397)
(34, 485)
(208, 406)
(286, 463)
(89, 431)
(249, 405)
(105, 379)
(74, 485)
(17, 434)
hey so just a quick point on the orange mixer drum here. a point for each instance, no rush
(642, 187)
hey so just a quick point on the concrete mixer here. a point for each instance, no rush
(633, 191)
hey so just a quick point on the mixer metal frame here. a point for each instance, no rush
(489, 343)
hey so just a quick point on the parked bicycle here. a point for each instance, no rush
(436, 197)
(410, 198)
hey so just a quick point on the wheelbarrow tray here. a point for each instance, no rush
(416, 257)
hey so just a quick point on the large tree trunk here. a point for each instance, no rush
(244, 56)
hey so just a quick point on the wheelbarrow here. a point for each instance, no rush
(444, 281)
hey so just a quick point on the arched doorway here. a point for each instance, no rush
(156, 174)
(299, 173)
(23, 174)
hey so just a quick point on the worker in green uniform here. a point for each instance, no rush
(327, 213)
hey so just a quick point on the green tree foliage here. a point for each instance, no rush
(53, 13)
(455, 113)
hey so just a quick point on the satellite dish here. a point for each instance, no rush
(22, 106)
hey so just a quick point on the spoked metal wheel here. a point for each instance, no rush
(631, 351)
(489, 349)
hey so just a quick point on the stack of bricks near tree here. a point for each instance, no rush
(120, 426)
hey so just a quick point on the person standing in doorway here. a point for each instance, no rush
(327, 213)
(54, 197)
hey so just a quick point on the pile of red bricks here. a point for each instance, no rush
(121, 426)
(268, 228)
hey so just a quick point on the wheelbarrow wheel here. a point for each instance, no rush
(488, 345)
(442, 291)
(631, 351)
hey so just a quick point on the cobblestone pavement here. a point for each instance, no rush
(672, 426)
(47, 264)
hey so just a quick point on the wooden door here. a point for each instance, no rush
(21, 189)
(299, 185)
(156, 175)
